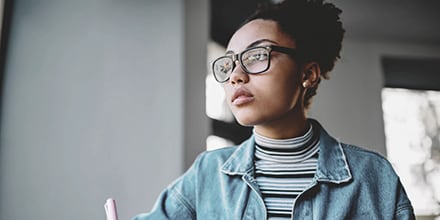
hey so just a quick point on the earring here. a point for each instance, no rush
(306, 84)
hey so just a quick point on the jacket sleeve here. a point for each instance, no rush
(177, 201)
(170, 205)
(404, 209)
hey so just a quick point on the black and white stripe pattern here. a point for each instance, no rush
(283, 169)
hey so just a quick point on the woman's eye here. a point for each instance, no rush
(255, 58)
(258, 57)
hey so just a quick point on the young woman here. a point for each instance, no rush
(290, 168)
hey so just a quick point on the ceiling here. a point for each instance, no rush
(415, 21)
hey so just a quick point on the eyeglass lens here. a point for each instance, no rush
(255, 60)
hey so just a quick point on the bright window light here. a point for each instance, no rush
(216, 106)
(412, 130)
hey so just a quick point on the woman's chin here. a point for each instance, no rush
(247, 122)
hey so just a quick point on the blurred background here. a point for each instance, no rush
(112, 98)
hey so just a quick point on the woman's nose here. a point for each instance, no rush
(239, 76)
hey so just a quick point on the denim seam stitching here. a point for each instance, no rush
(403, 207)
(184, 202)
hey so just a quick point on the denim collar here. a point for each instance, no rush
(332, 163)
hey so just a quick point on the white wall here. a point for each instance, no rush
(94, 105)
(349, 105)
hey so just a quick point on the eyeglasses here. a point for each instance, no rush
(253, 60)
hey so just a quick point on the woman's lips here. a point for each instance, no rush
(241, 96)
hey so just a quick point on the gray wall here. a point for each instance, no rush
(349, 105)
(196, 123)
(95, 99)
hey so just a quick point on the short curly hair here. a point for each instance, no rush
(315, 26)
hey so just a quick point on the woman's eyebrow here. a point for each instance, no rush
(253, 44)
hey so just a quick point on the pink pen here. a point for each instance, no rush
(110, 209)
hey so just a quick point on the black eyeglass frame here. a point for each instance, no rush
(238, 57)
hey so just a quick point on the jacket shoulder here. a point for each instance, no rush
(218, 156)
(362, 160)
(360, 151)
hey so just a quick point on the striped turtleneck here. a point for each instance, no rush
(283, 169)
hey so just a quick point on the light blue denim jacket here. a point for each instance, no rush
(350, 183)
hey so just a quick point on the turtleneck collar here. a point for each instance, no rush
(290, 143)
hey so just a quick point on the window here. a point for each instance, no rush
(225, 130)
(411, 107)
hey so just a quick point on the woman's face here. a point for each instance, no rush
(272, 98)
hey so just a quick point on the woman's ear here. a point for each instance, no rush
(311, 74)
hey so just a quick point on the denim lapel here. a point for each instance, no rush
(332, 162)
(242, 160)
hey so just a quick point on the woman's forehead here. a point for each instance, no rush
(259, 30)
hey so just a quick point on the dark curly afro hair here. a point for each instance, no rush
(315, 26)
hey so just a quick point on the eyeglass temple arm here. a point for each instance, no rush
(285, 50)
